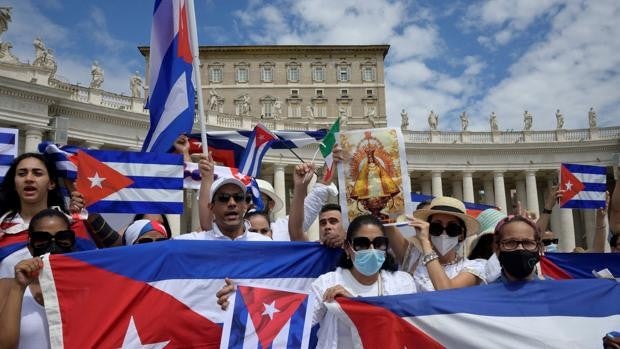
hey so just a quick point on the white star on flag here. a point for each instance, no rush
(270, 309)
(132, 339)
(96, 180)
(569, 185)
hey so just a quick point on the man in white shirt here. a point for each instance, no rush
(228, 204)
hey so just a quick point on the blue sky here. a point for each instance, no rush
(505, 56)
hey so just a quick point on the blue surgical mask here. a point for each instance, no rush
(368, 262)
(551, 248)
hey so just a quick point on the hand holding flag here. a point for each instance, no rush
(327, 149)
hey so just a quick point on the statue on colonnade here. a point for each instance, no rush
(464, 121)
(560, 119)
(592, 118)
(404, 119)
(433, 121)
(97, 75)
(135, 84)
(493, 122)
(528, 119)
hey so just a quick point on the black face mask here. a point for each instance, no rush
(518, 263)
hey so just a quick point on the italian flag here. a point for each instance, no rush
(327, 147)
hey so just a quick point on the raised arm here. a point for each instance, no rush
(600, 235)
(614, 209)
(206, 167)
(301, 177)
(553, 195)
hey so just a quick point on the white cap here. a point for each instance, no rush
(266, 188)
(218, 183)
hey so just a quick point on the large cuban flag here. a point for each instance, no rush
(8, 149)
(584, 186)
(560, 266)
(171, 90)
(536, 314)
(163, 293)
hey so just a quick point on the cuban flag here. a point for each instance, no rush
(535, 314)
(258, 143)
(171, 90)
(473, 209)
(229, 147)
(163, 293)
(8, 149)
(122, 181)
(561, 266)
(264, 318)
(584, 186)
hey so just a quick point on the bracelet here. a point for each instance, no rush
(429, 257)
(547, 211)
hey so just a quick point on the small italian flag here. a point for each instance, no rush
(327, 147)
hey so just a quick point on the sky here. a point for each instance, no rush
(505, 56)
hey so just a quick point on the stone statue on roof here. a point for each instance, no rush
(493, 122)
(464, 121)
(592, 118)
(560, 119)
(97, 75)
(433, 121)
(528, 119)
(404, 119)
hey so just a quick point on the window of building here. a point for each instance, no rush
(294, 110)
(215, 74)
(267, 74)
(320, 110)
(369, 92)
(243, 74)
(295, 92)
(319, 92)
(267, 109)
(318, 74)
(344, 92)
(343, 73)
(293, 74)
(368, 74)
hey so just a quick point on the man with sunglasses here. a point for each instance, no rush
(228, 203)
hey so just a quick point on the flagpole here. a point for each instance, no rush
(191, 18)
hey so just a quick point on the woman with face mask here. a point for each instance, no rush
(432, 255)
(366, 269)
(23, 323)
(518, 246)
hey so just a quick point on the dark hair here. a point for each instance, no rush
(48, 212)
(510, 219)
(164, 219)
(252, 213)
(9, 199)
(354, 227)
(423, 204)
(330, 207)
(614, 239)
(483, 248)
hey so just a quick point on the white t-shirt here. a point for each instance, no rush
(34, 332)
(216, 234)
(334, 333)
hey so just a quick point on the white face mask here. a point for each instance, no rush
(444, 243)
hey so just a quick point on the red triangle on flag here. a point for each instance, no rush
(263, 135)
(570, 184)
(270, 310)
(96, 180)
(184, 50)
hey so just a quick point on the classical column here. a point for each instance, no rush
(426, 187)
(437, 189)
(313, 231)
(457, 188)
(279, 185)
(500, 193)
(489, 193)
(468, 187)
(532, 191)
(566, 234)
(33, 138)
(521, 192)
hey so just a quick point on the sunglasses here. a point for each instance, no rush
(452, 229)
(146, 240)
(238, 197)
(43, 239)
(548, 242)
(364, 243)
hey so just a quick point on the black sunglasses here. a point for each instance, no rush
(43, 239)
(452, 229)
(548, 242)
(146, 240)
(238, 197)
(363, 243)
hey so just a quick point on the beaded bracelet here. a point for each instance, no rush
(429, 257)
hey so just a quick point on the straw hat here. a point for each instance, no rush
(449, 206)
(267, 189)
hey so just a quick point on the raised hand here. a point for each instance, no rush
(224, 293)
(335, 291)
(27, 271)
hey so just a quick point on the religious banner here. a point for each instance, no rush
(374, 175)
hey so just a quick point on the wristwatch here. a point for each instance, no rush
(546, 210)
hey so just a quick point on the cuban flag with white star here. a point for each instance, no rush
(162, 294)
(260, 317)
(584, 186)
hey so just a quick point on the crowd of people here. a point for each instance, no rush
(450, 249)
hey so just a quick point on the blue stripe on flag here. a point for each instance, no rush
(584, 203)
(492, 300)
(136, 157)
(295, 260)
(600, 187)
(6, 160)
(7, 250)
(156, 183)
(577, 168)
(136, 206)
(237, 327)
(7, 138)
(580, 265)
(296, 327)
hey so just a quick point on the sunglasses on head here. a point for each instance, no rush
(146, 240)
(43, 239)
(363, 243)
(238, 197)
(548, 242)
(452, 229)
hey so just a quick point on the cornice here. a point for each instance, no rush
(340, 49)
(101, 114)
